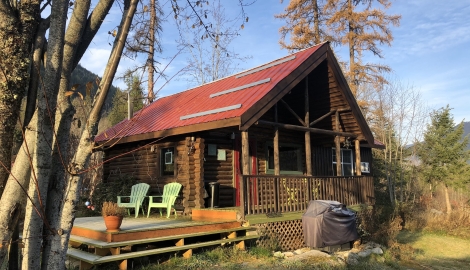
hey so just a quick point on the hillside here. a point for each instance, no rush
(81, 76)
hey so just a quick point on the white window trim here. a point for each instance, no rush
(342, 163)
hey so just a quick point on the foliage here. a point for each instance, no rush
(380, 224)
(355, 24)
(112, 209)
(442, 153)
(105, 191)
(119, 110)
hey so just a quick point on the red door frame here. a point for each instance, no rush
(237, 170)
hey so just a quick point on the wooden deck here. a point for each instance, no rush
(140, 237)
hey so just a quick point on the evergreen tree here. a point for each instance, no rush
(352, 23)
(305, 24)
(443, 154)
(119, 109)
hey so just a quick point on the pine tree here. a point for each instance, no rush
(362, 28)
(352, 23)
(443, 152)
(119, 109)
(305, 23)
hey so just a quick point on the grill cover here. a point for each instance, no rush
(328, 223)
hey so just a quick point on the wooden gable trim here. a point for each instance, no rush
(283, 87)
(346, 91)
(176, 131)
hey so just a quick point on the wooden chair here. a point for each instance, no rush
(138, 193)
(170, 193)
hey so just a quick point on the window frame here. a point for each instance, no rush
(269, 170)
(163, 162)
(352, 163)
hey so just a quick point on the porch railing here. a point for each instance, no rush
(278, 194)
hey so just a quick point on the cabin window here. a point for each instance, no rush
(347, 165)
(167, 161)
(290, 159)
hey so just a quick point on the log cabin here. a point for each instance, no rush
(272, 138)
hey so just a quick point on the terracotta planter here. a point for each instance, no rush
(113, 223)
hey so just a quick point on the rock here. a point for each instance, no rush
(278, 254)
(348, 257)
(364, 253)
(288, 254)
(377, 250)
(308, 254)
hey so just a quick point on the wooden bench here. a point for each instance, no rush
(108, 252)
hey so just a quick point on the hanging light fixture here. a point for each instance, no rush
(347, 143)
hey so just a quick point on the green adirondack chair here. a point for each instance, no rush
(138, 193)
(170, 193)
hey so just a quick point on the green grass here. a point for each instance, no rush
(434, 251)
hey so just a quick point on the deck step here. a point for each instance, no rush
(103, 244)
(95, 259)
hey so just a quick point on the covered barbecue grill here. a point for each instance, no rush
(328, 223)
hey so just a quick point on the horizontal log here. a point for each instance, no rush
(313, 130)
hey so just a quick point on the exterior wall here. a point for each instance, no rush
(144, 165)
(220, 171)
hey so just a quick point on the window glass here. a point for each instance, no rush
(347, 165)
(167, 161)
(289, 158)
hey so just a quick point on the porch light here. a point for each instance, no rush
(347, 143)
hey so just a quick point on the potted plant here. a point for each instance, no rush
(112, 215)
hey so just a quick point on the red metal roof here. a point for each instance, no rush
(166, 112)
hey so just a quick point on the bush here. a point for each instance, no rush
(105, 192)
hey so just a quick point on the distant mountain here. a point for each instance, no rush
(82, 76)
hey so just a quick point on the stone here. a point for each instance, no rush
(364, 253)
(377, 250)
(278, 254)
(308, 254)
(288, 254)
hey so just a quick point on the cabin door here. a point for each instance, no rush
(238, 167)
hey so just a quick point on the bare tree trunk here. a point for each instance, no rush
(59, 242)
(17, 29)
(63, 120)
(151, 54)
(47, 100)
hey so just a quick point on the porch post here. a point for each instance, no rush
(337, 146)
(277, 169)
(358, 157)
(245, 170)
(308, 149)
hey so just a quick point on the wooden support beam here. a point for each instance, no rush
(188, 253)
(240, 245)
(277, 169)
(308, 147)
(322, 117)
(312, 130)
(358, 157)
(337, 146)
(328, 114)
(245, 170)
(292, 112)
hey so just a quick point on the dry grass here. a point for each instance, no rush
(112, 209)
(434, 251)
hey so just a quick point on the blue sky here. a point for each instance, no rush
(430, 51)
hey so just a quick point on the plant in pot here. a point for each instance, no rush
(112, 215)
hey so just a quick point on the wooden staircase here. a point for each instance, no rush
(94, 249)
